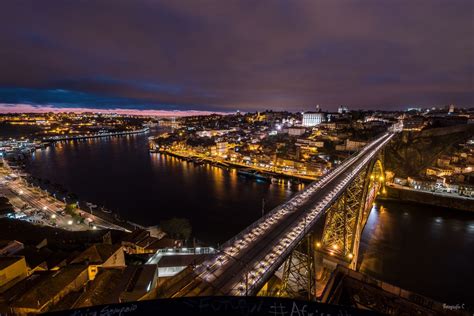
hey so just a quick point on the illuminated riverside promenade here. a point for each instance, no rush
(98, 135)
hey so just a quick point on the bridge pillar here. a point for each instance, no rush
(346, 218)
(298, 274)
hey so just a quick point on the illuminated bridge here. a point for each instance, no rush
(275, 244)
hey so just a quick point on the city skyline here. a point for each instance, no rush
(237, 157)
(214, 57)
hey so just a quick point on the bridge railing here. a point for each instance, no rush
(309, 223)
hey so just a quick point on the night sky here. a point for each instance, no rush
(225, 55)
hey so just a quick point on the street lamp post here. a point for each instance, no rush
(244, 265)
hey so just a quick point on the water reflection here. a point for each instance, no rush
(422, 248)
(121, 174)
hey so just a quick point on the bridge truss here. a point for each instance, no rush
(344, 223)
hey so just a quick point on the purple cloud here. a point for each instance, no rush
(244, 55)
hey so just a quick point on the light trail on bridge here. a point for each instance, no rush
(247, 261)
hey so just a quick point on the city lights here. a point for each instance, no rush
(245, 157)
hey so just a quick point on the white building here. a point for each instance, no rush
(342, 109)
(313, 118)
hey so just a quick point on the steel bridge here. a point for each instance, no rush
(280, 240)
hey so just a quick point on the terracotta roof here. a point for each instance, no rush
(114, 285)
(50, 286)
(97, 253)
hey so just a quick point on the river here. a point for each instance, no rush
(425, 249)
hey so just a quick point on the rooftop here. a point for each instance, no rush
(5, 262)
(97, 253)
(48, 287)
(114, 285)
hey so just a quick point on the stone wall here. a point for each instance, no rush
(428, 199)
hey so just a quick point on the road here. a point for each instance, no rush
(41, 208)
(248, 260)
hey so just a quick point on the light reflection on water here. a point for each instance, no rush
(121, 174)
(423, 248)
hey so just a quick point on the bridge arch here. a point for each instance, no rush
(344, 223)
(346, 218)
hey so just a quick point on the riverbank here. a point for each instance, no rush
(395, 193)
(39, 206)
(77, 137)
(236, 165)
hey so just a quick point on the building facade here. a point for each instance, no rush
(313, 118)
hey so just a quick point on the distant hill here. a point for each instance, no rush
(411, 152)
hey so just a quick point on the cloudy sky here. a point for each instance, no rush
(227, 55)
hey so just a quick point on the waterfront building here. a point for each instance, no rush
(466, 190)
(221, 148)
(423, 183)
(400, 181)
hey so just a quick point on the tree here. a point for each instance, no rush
(70, 209)
(179, 228)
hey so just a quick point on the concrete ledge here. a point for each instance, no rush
(426, 198)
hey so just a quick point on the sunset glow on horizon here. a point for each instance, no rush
(27, 108)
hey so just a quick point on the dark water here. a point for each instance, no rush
(424, 249)
(146, 188)
(421, 248)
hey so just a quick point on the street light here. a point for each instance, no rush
(245, 266)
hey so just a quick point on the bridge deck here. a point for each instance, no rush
(246, 261)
